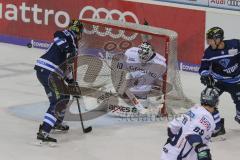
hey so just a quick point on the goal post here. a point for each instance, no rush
(111, 37)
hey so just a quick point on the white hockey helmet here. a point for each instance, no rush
(145, 52)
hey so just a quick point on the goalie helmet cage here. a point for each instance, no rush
(110, 37)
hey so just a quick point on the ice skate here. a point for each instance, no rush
(43, 138)
(219, 135)
(60, 128)
(237, 119)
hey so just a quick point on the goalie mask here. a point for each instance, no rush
(210, 97)
(145, 52)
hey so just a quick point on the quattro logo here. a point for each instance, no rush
(103, 13)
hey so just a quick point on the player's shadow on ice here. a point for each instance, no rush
(232, 133)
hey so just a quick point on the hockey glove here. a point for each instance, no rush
(207, 80)
(70, 81)
(203, 152)
(170, 136)
(74, 88)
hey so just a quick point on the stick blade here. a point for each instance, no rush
(87, 130)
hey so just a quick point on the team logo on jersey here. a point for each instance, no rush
(131, 59)
(231, 69)
(233, 51)
(204, 121)
(224, 62)
(190, 114)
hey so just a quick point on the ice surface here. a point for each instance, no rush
(23, 104)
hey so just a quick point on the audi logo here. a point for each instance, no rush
(108, 14)
(235, 3)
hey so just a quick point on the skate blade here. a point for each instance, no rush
(40, 143)
(56, 131)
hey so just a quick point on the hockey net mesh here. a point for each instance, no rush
(109, 38)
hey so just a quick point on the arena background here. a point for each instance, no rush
(27, 21)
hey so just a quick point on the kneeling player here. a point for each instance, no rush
(145, 68)
(189, 135)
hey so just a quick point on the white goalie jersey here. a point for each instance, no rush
(145, 73)
(197, 121)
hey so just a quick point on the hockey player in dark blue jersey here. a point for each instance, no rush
(220, 65)
(50, 64)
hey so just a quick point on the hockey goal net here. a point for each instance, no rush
(103, 39)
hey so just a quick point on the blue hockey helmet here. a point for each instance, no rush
(210, 97)
(215, 32)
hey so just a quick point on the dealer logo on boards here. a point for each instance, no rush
(234, 3)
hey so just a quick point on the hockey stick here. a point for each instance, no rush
(85, 130)
(88, 129)
(129, 94)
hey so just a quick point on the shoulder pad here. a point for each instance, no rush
(59, 34)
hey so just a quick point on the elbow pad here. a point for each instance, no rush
(194, 139)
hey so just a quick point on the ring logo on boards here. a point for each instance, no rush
(103, 13)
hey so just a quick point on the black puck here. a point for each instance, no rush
(29, 45)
